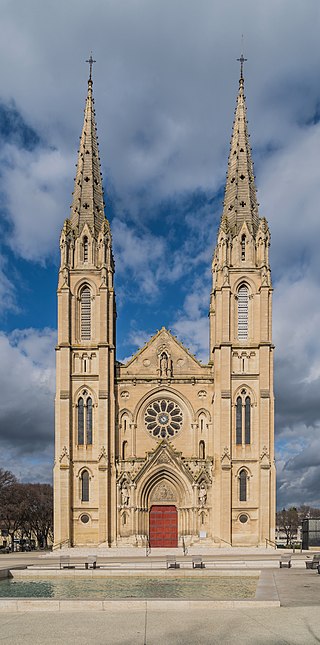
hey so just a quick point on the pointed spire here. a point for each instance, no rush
(240, 199)
(88, 203)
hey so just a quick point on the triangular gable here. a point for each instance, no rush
(147, 357)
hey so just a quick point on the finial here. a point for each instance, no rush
(241, 60)
(90, 61)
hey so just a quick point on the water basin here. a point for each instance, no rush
(208, 588)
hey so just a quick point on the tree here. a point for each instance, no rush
(288, 521)
(13, 508)
(40, 512)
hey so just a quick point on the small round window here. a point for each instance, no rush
(85, 519)
(243, 518)
(163, 419)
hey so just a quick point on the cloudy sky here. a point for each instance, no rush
(165, 85)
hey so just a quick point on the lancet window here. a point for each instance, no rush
(243, 419)
(243, 480)
(85, 421)
(85, 486)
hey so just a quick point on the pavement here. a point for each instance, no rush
(295, 622)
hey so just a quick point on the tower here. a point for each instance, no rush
(242, 352)
(85, 356)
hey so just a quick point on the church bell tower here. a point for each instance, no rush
(242, 352)
(85, 357)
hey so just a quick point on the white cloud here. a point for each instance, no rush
(34, 187)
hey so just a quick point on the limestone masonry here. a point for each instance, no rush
(163, 449)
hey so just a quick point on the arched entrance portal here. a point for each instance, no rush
(163, 526)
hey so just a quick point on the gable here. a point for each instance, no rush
(163, 356)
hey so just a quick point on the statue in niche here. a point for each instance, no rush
(202, 495)
(163, 364)
(125, 497)
(225, 275)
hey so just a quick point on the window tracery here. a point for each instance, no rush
(243, 418)
(163, 418)
(85, 419)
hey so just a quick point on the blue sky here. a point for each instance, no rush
(165, 85)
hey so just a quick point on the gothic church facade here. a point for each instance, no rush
(164, 450)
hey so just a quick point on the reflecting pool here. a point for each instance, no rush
(206, 588)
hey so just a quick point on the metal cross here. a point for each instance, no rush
(241, 60)
(90, 61)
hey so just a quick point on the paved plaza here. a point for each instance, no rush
(295, 622)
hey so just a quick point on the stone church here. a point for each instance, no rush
(164, 450)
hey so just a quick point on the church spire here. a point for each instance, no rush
(240, 199)
(88, 204)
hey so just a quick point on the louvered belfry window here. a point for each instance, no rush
(85, 313)
(243, 302)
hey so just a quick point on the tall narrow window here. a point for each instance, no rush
(243, 247)
(85, 313)
(85, 249)
(85, 486)
(243, 302)
(202, 450)
(89, 421)
(239, 421)
(80, 422)
(247, 420)
(243, 486)
(124, 449)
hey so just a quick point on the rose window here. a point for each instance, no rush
(163, 419)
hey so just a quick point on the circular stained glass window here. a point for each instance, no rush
(163, 419)
(243, 518)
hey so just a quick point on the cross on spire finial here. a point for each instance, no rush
(90, 61)
(241, 60)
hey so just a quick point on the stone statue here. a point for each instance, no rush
(125, 497)
(202, 494)
(163, 364)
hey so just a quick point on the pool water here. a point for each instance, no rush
(209, 588)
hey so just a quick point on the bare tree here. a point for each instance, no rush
(288, 522)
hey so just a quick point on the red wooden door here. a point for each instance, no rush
(163, 526)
